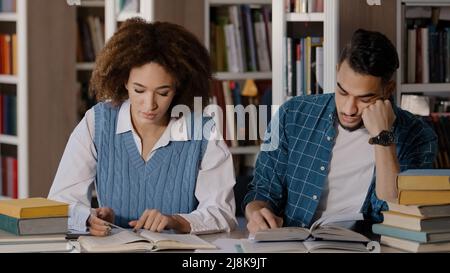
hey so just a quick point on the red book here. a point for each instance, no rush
(15, 179)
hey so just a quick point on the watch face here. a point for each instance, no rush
(386, 138)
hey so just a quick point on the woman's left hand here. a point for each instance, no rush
(153, 220)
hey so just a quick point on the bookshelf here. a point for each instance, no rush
(43, 101)
(237, 66)
(285, 24)
(113, 15)
(404, 86)
(423, 44)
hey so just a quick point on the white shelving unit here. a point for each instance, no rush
(435, 89)
(112, 17)
(99, 4)
(280, 19)
(20, 80)
(233, 76)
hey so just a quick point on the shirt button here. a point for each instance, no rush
(314, 197)
(303, 225)
(322, 168)
(329, 138)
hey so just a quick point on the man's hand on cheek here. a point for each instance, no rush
(378, 117)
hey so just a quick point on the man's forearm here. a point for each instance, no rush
(387, 168)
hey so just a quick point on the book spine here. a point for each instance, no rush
(9, 224)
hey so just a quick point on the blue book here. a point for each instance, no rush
(417, 236)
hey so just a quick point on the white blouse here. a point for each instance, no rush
(76, 173)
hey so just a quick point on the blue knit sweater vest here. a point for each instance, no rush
(129, 185)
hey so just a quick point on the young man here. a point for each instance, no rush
(339, 154)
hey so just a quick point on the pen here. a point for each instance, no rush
(118, 227)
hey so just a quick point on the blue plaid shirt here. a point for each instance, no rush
(291, 177)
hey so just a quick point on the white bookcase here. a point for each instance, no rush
(20, 80)
(432, 89)
(252, 151)
(113, 17)
(280, 19)
(42, 86)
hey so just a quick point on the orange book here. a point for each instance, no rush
(7, 57)
(432, 179)
(33, 208)
(406, 197)
(14, 55)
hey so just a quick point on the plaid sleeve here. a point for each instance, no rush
(420, 153)
(267, 184)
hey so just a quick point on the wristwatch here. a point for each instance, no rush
(385, 138)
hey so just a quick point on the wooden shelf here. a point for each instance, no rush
(305, 17)
(8, 17)
(6, 139)
(244, 150)
(223, 76)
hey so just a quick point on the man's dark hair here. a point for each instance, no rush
(371, 53)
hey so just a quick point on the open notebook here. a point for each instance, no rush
(142, 241)
(325, 235)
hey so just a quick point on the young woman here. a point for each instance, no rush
(148, 170)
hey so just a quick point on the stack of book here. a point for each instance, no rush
(33, 216)
(420, 221)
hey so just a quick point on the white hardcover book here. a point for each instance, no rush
(234, 17)
(231, 48)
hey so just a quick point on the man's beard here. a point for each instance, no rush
(354, 128)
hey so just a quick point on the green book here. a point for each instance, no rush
(34, 226)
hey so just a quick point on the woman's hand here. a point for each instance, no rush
(154, 220)
(98, 221)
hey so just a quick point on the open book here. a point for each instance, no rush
(326, 234)
(142, 241)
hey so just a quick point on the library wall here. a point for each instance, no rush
(52, 106)
(354, 14)
(186, 13)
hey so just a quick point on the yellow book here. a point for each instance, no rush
(33, 208)
(423, 197)
(431, 179)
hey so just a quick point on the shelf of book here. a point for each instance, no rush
(304, 34)
(238, 35)
(423, 43)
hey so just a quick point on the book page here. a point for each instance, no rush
(281, 234)
(176, 241)
(332, 246)
(116, 241)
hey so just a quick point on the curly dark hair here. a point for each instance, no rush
(137, 43)
(371, 53)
